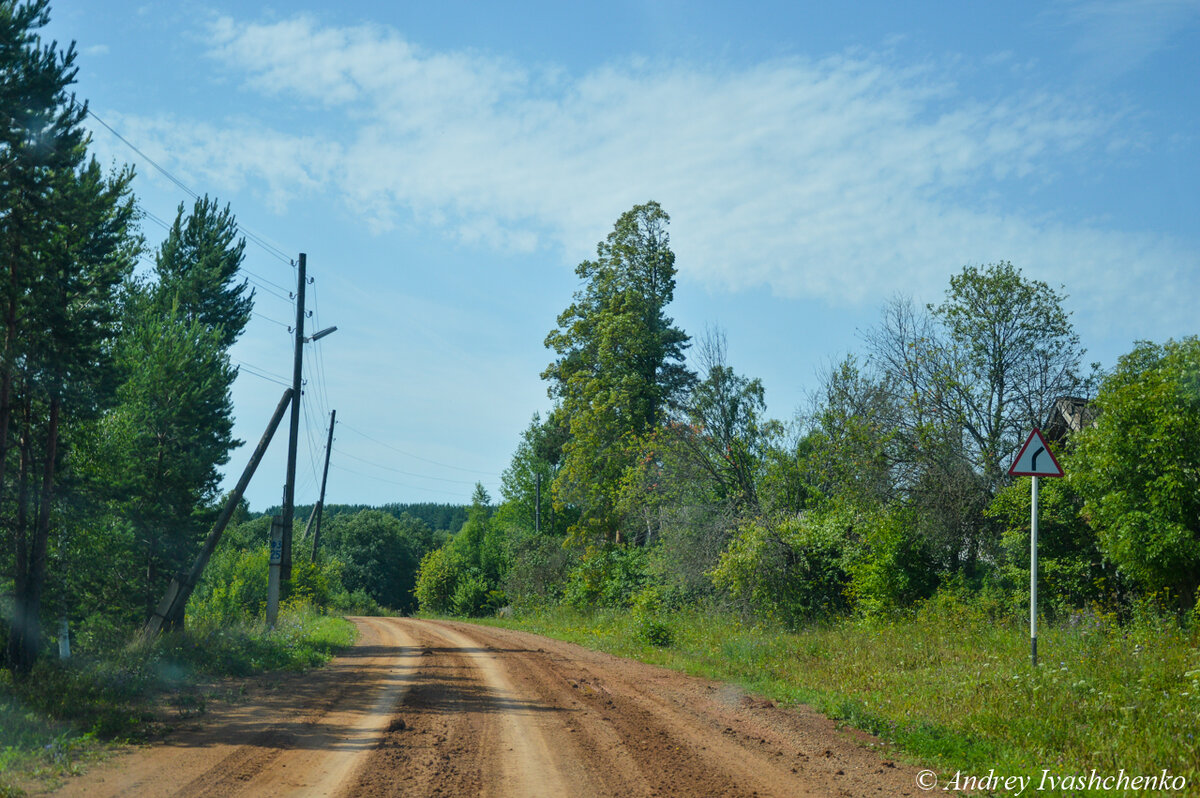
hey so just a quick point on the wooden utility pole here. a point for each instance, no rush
(289, 487)
(537, 507)
(320, 508)
(170, 609)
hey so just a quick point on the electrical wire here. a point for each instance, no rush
(268, 318)
(262, 375)
(405, 473)
(394, 482)
(417, 456)
(251, 235)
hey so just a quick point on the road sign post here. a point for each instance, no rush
(1034, 460)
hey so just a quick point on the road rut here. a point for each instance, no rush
(434, 708)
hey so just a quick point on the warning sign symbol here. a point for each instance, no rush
(1035, 459)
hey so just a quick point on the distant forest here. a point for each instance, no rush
(439, 517)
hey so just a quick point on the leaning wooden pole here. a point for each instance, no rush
(320, 508)
(170, 609)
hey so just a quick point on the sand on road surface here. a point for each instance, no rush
(424, 708)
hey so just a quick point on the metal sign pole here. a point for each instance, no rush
(1033, 535)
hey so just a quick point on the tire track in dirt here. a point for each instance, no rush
(304, 737)
(437, 708)
(498, 712)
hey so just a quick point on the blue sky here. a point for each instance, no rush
(445, 165)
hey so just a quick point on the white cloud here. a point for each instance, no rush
(846, 178)
(1116, 36)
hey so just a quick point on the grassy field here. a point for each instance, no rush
(952, 687)
(66, 714)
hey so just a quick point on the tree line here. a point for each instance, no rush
(657, 480)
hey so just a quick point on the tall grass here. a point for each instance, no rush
(952, 685)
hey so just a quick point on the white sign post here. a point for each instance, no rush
(1034, 460)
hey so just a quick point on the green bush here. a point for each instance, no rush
(788, 570)
(538, 566)
(473, 597)
(889, 563)
(606, 576)
(437, 581)
(650, 624)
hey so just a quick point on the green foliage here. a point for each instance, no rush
(650, 622)
(788, 570)
(197, 267)
(67, 242)
(536, 458)
(619, 365)
(159, 450)
(1137, 469)
(1010, 351)
(437, 579)
(537, 567)
(380, 554)
(889, 563)
(474, 597)
(606, 576)
(1072, 571)
(464, 576)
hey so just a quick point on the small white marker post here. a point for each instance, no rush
(1027, 465)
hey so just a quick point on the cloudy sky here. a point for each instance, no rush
(445, 165)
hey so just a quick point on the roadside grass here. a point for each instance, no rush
(951, 686)
(66, 714)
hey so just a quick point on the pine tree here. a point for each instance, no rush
(197, 268)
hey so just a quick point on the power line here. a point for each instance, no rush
(405, 473)
(254, 277)
(273, 321)
(417, 456)
(394, 482)
(250, 234)
(313, 449)
(252, 371)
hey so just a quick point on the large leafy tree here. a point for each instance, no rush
(970, 377)
(380, 554)
(1138, 469)
(619, 366)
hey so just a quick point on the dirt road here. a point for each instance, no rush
(426, 708)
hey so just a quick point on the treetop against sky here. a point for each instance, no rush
(445, 167)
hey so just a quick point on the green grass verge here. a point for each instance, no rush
(950, 686)
(66, 714)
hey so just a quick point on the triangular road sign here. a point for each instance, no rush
(1035, 459)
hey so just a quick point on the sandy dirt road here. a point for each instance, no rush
(425, 708)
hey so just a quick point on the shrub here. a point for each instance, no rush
(437, 581)
(649, 622)
(606, 576)
(474, 598)
(889, 563)
(538, 566)
(786, 570)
